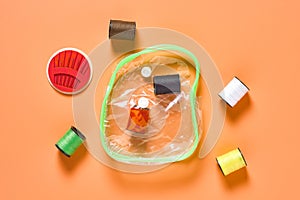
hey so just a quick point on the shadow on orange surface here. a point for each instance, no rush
(69, 164)
(235, 179)
(179, 174)
(241, 107)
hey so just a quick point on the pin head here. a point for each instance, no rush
(143, 102)
(146, 72)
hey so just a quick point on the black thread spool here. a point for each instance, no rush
(167, 84)
(122, 30)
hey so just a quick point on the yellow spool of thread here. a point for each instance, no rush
(231, 161)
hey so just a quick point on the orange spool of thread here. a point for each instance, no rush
(139, 117)
(138, 121)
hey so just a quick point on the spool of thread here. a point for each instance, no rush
(231, 161)
(138, 119)
(233, 92)
(167, 84)
(70, 141)
(121, 30)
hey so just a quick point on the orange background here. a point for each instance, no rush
(258, 41)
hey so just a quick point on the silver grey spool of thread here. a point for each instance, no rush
(122, 30)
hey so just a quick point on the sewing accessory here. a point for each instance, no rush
(146, 72)
(233, 92)
(231, 161)
(70, 141)
(166, 84)
(138, 119)
(69, 71)
(122, 30)
(143, 102)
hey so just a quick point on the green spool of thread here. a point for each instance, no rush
(70, 141)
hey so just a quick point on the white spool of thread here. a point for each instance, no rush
(233, 92)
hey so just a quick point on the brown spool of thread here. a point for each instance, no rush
(122, 30)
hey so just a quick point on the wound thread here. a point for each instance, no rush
(72, 139)
(233, 92)
(167, 84)
(138, 119)
(231, 161)
(121, 30)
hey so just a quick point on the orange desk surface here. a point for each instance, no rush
(258, 41)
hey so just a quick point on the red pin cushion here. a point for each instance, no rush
(69, 71)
